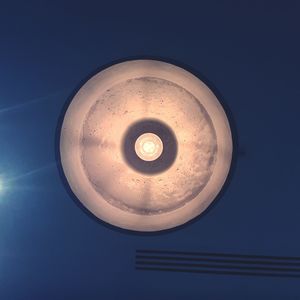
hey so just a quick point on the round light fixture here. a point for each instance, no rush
(145, 145)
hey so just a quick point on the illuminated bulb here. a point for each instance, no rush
(148, 147)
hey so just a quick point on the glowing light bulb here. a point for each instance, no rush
(148, 147)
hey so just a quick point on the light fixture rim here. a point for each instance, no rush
(70, 154)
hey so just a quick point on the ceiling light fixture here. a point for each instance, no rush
(145, 145)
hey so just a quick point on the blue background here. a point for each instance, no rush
(246, 51)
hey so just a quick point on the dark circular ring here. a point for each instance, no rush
(167, 137)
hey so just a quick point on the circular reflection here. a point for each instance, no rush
(156, 132)
(148, 146)
(145, 145)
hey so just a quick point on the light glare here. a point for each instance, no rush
(148, 146)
